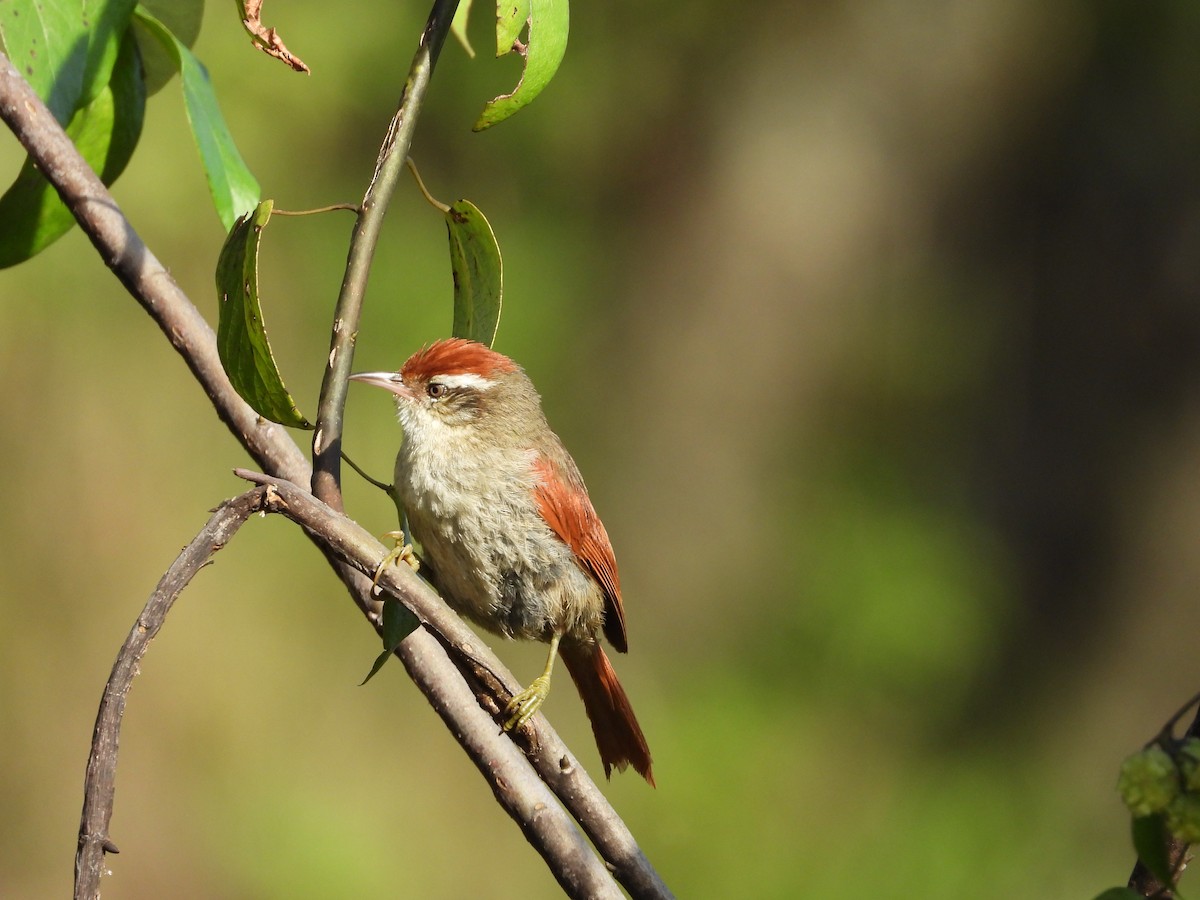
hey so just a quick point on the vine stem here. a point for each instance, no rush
(327, 437)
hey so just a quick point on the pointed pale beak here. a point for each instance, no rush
(389, 381)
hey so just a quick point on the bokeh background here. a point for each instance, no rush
(873, 327)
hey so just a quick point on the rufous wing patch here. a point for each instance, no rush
(563, 502)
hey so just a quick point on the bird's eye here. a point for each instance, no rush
(435, 389)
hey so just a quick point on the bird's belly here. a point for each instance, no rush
(528, 588)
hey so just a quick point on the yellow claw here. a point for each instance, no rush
(522, 706)
(401, 552)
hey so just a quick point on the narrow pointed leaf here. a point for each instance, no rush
(398, 623)
(234, 190)
(106, 131)
(241, 333)
(478, 273)
(376, 666)
(1119, 893)
(458, 26)
(547, 23)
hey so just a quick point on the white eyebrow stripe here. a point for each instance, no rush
(465, 380)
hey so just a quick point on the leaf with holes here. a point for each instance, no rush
(241, 334)
(546, 24)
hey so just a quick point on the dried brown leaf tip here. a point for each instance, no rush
(267, 39)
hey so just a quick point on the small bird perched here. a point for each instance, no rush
(503, 515)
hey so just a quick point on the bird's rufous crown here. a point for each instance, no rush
(457, 356)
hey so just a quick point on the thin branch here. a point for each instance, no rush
(99, 785)
(269, 445)
(327, 436)
(388, 489)
(527, 799)
(494, 684)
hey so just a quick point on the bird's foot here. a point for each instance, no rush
(522, 706)
(401, 552)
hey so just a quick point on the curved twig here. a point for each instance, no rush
(523, 796)
(99, 784)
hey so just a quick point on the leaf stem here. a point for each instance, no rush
(433, 201)
(320, 209)
(327, 439)
(386, 488)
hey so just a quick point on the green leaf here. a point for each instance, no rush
(1119, 893)
(546, 44)
(511, 19)
(182, 18)
(1150, 839)
(458, 27)
(241, 333)
(66, 49)
(398, 623)
(478, 273)
(48, 44)
(376, 666)
(106, 131)
(107, 23)
(234, 190)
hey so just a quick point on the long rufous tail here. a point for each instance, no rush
(618, 735)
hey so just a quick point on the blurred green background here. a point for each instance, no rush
(873, 328)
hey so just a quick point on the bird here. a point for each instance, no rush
(502, 514)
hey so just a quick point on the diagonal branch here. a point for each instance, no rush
(99, 785)
(271, 447)
(493, 684)
(327, 437)
(524, 797)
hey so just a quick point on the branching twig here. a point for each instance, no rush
(327, 436)
(554, 762)
(527, 800)
(270, 446)
(99, 784)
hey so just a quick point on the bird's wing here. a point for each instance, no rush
(563, 502)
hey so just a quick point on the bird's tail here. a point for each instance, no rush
(618, 735)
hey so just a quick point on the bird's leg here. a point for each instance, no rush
(401, 551)
(522, 706)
